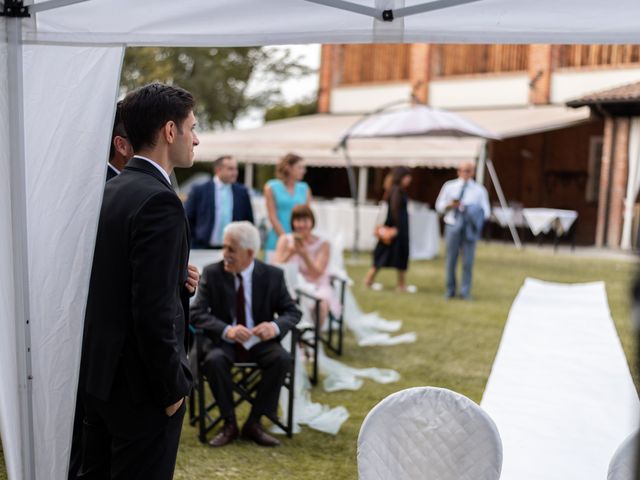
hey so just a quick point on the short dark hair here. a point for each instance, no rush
(147, 109)
(217, 163)
(302, 211)
(118, 130)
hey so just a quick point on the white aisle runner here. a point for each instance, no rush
(560, 391)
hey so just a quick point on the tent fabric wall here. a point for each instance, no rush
(66, 153)
(9, 400)
(70, 90)
(259, 22)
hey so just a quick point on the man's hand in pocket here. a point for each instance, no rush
(172, 409)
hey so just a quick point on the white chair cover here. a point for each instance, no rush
(624, 462)
(428, 433)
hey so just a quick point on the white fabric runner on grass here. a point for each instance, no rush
(560, 390)
(370, 328)
(338, 376)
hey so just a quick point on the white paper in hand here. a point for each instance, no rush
(251, 342)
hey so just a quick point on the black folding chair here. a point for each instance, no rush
(310, 336)
(246, 377)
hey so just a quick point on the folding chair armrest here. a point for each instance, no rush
(307, 293)
(198, 336)
(295, 334)
(341, 277)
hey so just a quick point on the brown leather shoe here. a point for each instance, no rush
(228, 434)
(254, 431)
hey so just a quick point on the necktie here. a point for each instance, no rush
(242, 355)
(458, 211)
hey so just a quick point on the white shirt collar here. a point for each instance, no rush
(220, 183)
(160, 169)
(117, 172)
(247, 272)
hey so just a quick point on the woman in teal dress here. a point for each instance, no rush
(284, 193)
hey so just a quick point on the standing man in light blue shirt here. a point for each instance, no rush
(465, 206)
(216, 203)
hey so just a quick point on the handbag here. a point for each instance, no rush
(386, 234)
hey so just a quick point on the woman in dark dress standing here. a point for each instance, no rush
(394, 252)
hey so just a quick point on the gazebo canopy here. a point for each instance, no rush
(316, 136)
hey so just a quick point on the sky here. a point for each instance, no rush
(292, 90)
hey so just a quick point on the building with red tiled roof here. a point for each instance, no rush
(619, 107)
(559, 164)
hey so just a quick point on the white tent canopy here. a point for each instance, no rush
(255, 22)
(58, 85)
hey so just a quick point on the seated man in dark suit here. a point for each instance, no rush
(244, 310)
(216, 203)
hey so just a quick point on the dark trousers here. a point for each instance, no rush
(126, 441)
(274, 362)
(75, 458)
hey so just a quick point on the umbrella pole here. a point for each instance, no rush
(354, 195)
(503, 202)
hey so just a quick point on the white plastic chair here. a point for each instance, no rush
(624, 461)
(428, 433)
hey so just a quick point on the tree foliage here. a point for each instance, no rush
(278, 112)
(219, 78)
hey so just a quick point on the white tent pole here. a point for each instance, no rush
(397, 13)
(632, 174)
(19, 238)
(248, 175)
(51, 4)
(354, 194)
(503, 202)
(482, 160)
(363, 179)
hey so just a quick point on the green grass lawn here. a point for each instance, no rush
(457, 342)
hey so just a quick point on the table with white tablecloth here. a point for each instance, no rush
(540, 221)
(424, 232)
(543, 220)
(503, 215)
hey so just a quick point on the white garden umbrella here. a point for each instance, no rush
(416, 120)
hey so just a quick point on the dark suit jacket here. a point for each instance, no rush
(214, 306)
(137, 310)
(201, 210)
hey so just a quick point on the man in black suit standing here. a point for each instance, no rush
(120, 150)
(134, 372)
(244, 310)
(211, 206)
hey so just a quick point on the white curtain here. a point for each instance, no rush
(9, 401)
(70, 95)
(633, 181)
